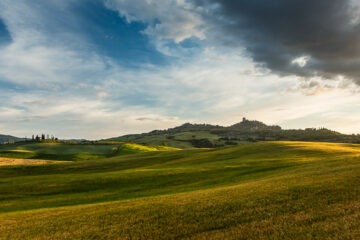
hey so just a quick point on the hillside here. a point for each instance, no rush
(9, 139)
(72, 151)
(268, 190)
(209, 136)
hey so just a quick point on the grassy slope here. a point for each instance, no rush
(253, 191)
(73, 152)
(177, 140)
(57, 151)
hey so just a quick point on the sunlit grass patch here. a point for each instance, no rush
(14, 161)
(136, 148)
(327, 147)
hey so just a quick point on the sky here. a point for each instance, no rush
(103, 68)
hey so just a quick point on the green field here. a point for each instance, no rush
(182, 140)
(266, 190)
(74, 151)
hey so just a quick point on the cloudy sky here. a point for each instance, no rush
(103, 68)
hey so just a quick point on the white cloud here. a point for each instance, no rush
(45, 66)
(72, 116)
(355, 12)
(169, 19)
(301, 61)
(37, 57)
(7, 112)
(215, 87)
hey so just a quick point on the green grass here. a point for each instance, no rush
(74, 151)
(57, 151)
(272, 190)
(176, 140)
(137, 148)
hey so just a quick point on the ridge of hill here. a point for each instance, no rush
(253, 125)
(207, 136)
(9, 139)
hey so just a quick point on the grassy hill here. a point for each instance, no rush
(8, 138)
(68, 151)
(265, 190)
(209, 136)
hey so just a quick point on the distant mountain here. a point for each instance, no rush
(8, 138)
(205, 135)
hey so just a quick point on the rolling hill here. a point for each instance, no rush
(9, 139)
(265, 190)
(73, 151)
(209, 136)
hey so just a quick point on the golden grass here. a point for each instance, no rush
(17, 161)
(328, 147)
(142, 148)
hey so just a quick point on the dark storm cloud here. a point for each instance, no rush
(275, 32)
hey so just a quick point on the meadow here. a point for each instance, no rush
(265, 190)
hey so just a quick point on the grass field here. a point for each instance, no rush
(177, 140)
(270, 190)
(74, 151)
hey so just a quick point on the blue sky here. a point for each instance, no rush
(104, 68)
